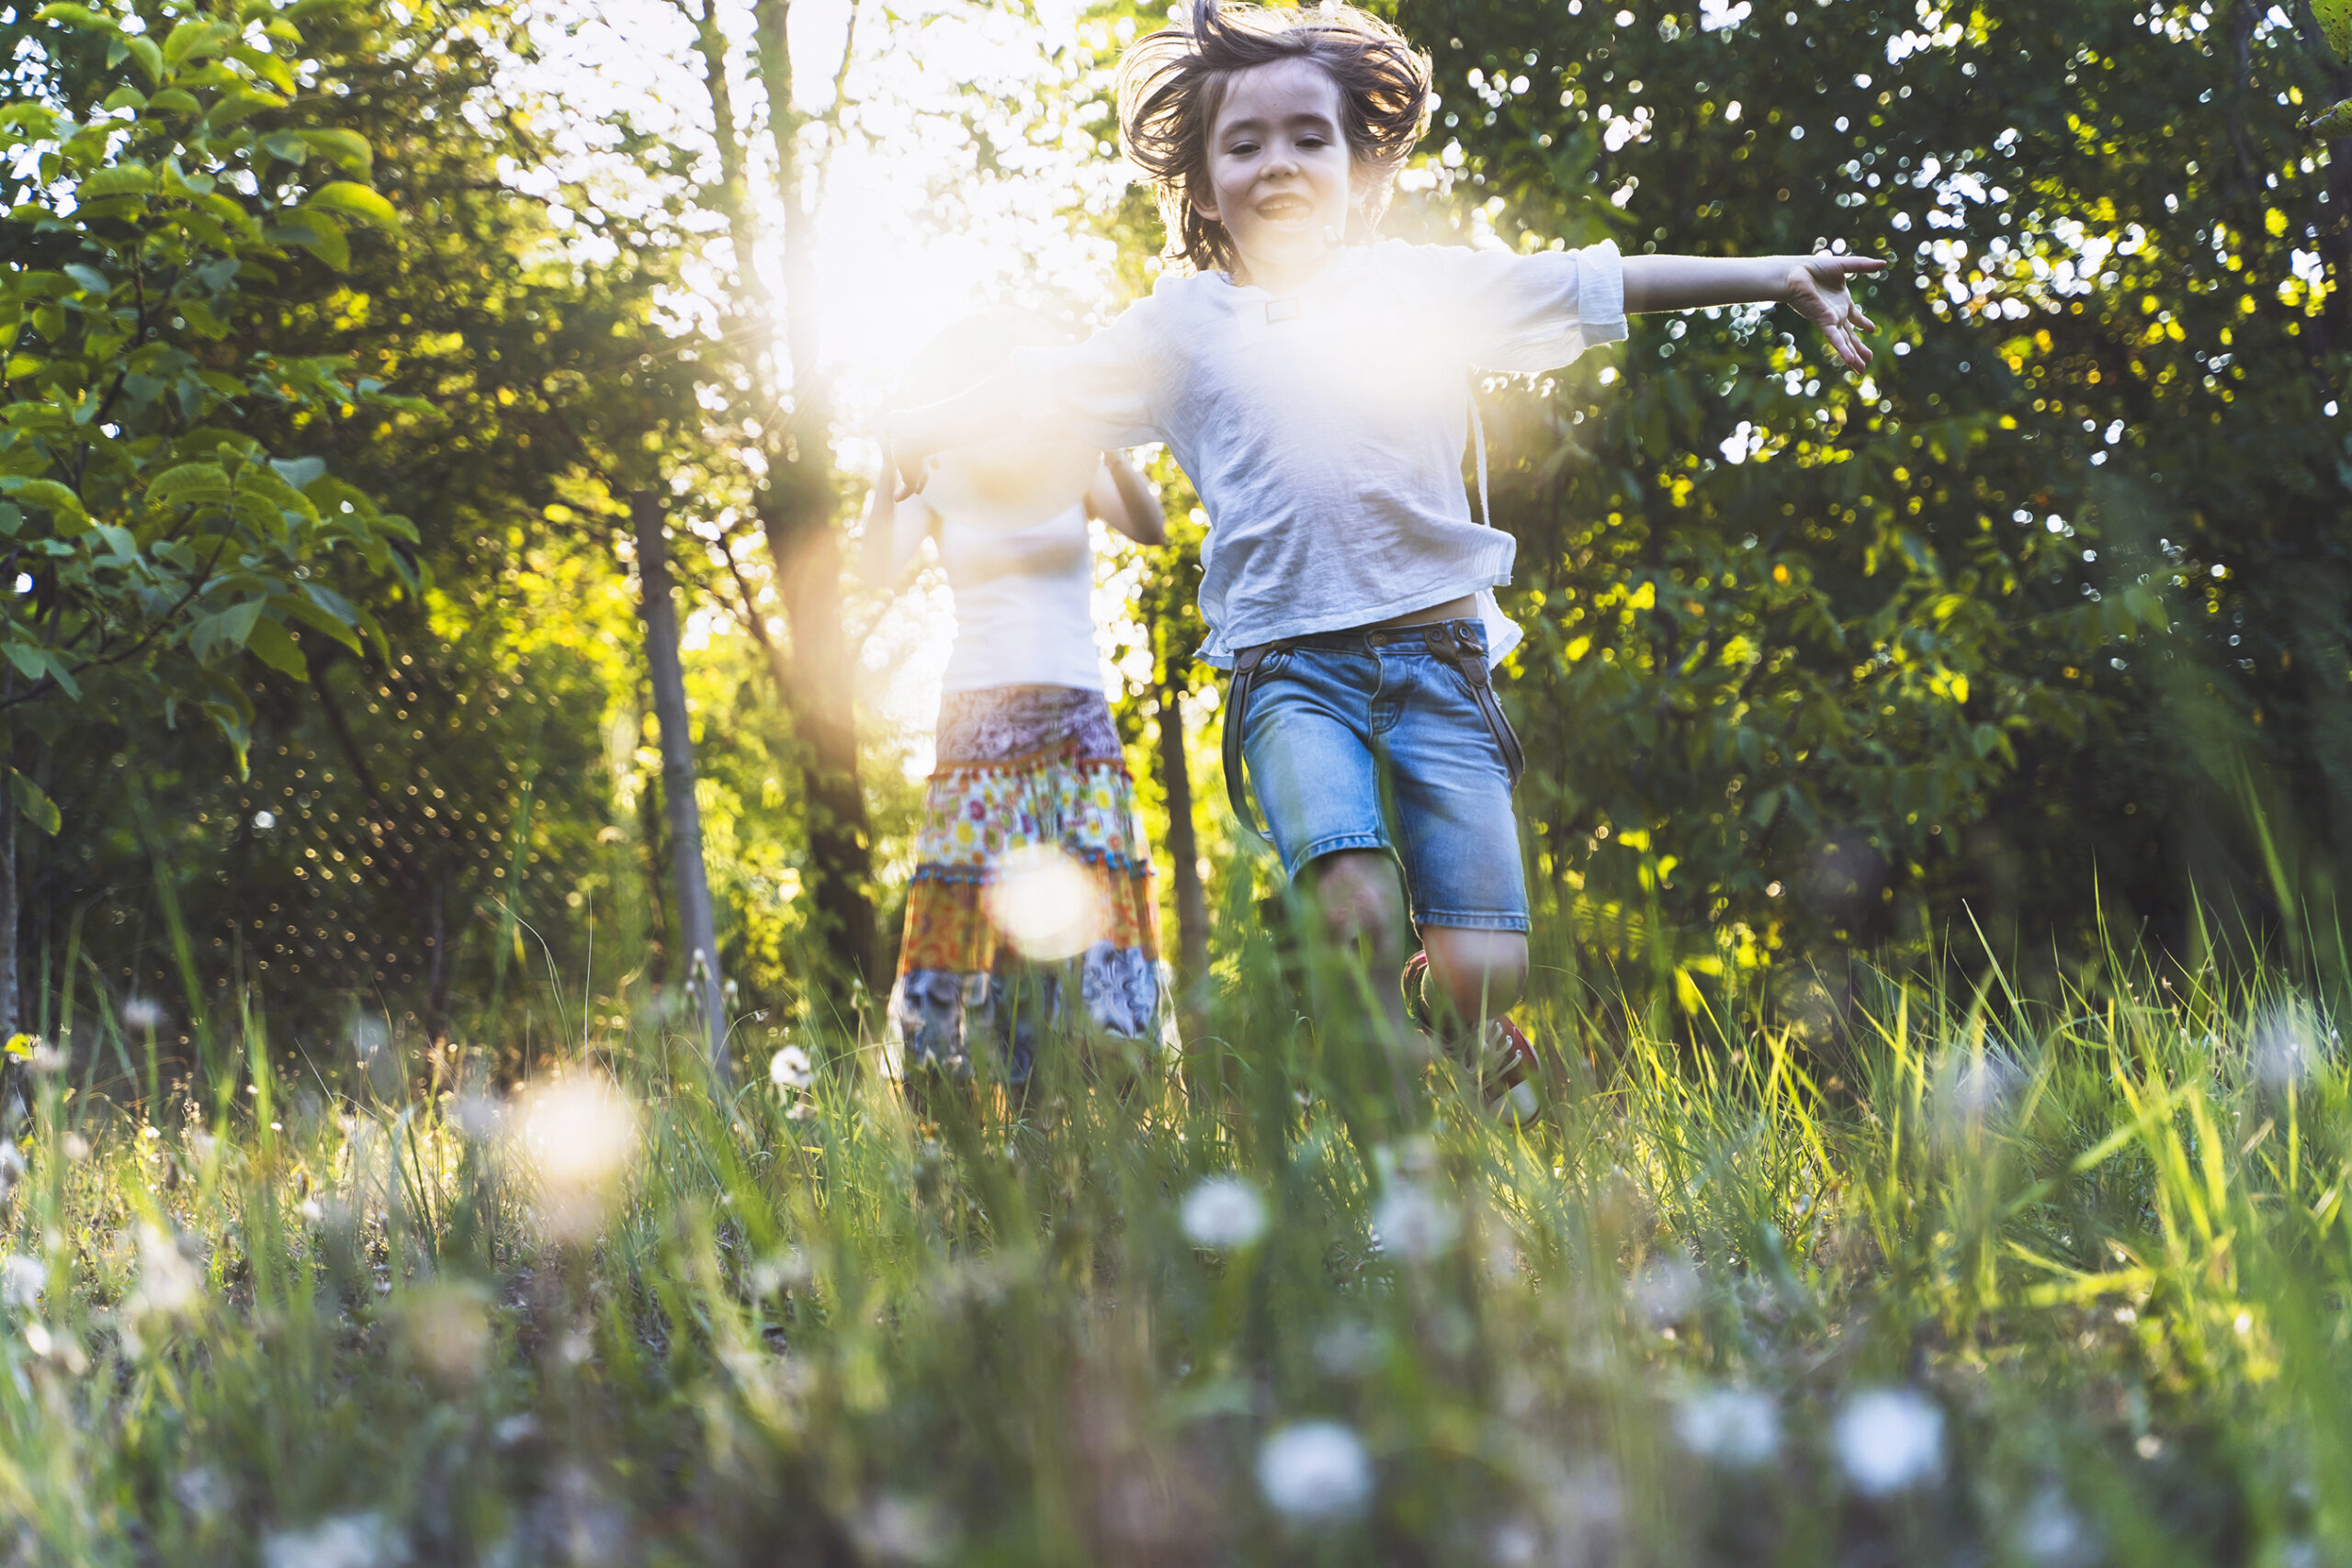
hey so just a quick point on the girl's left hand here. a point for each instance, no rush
(1817, 287)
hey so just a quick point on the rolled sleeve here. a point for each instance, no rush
(1098, 392)
(1539, 312)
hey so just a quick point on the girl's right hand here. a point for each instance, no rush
(1817, 287)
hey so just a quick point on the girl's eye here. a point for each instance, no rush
(1241, 149)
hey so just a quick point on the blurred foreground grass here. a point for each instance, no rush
(1986, 1282)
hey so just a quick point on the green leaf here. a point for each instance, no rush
(149, 58)
(271, 643)
(286, 145)
(178, 102)
(28, 660)
(225, 631)
(189, 482)
(344, 149)
(351, 200)
(2334, 23)
(270, 68)
(123, 179)
(193, 39)
(62, 505)
(313, 616)
(34, 802)
(77, 17)
(2336, 121)
(320, 235)
(125, 96)
(299, 472)
(92, 280)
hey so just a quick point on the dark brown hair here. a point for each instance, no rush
(1172, 82)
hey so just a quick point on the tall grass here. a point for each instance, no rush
(1980, 1281)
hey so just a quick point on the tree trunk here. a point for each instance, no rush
(797, 505)
(808, 576)
(1183, 844)
(11, 997)
(698, 930)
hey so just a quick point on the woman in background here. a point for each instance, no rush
(1033, 912)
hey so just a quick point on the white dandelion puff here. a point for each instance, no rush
(1314, 1472)
(1666, 1290)
(1414, 1223)
(142, 1015)
(22, 1281)
(1224, 1213)
(347, 1541)
(2286, 1045)
(791, 1070)
(1889, 1440)
(578, 1135)
(1735, 1427)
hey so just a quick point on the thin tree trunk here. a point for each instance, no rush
(797, 505)
(11, 999)
(1183, 844)
(698, 928)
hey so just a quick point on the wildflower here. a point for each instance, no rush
(895, 1529)
(75, 1146)
(37, 1054)
(2051, 1534)
(1224, 1212)
(1737, 1428)
(787, 1269)
(139, 1013)
(1889, 1440)
(1414, 1223)
(791, 1070)
(347, 1541)
(1666, 1290)
(579, 1135)
(169, 1282)
(202, 1491)
(1314, 1472)
(22, 1281)
(2286, 1046)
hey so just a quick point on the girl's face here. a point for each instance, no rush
(1280, 174)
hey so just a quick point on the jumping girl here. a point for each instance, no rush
(1031, 799)
(1315, 385)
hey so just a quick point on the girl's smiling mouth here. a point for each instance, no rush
(1285, 204)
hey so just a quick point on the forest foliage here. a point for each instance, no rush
(2039, 625)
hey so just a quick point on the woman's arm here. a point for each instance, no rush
(1127, 501)
(1816, 284)
(882, 557)
(986, 411)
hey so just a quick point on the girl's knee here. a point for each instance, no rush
(1359, 901)
(1477, 973)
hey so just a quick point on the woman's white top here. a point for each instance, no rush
(1324, 430)
(1024, 603)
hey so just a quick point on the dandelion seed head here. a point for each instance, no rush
(1347, 1350)
(74, 1147)
(2049, 1533)
(897, 1529)
(1666, 1290)
(2288, 1045)
(22, 1281)
(169, 1282)
(369, 1035)
(791, 1070)
(1314, 1472)
(1414, 1223)
(141, 1014)
(1045, 903)
(1889, 1440)
(1737, 1428)
(202, 1491)
(480, 1117)
(1224, 1213)
(347, 1541)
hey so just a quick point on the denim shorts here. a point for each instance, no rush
(1369, 740)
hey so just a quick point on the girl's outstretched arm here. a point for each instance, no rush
(1816, 284)
(883, 552)
(1127, 501)
(985, 410)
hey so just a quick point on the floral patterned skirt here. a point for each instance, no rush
(1033, 913)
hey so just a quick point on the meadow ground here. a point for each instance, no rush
(1980, 1281)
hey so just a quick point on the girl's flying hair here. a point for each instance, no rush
(1172, 82)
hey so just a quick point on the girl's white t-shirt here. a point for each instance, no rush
(1324, 431)
(1024, 603)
